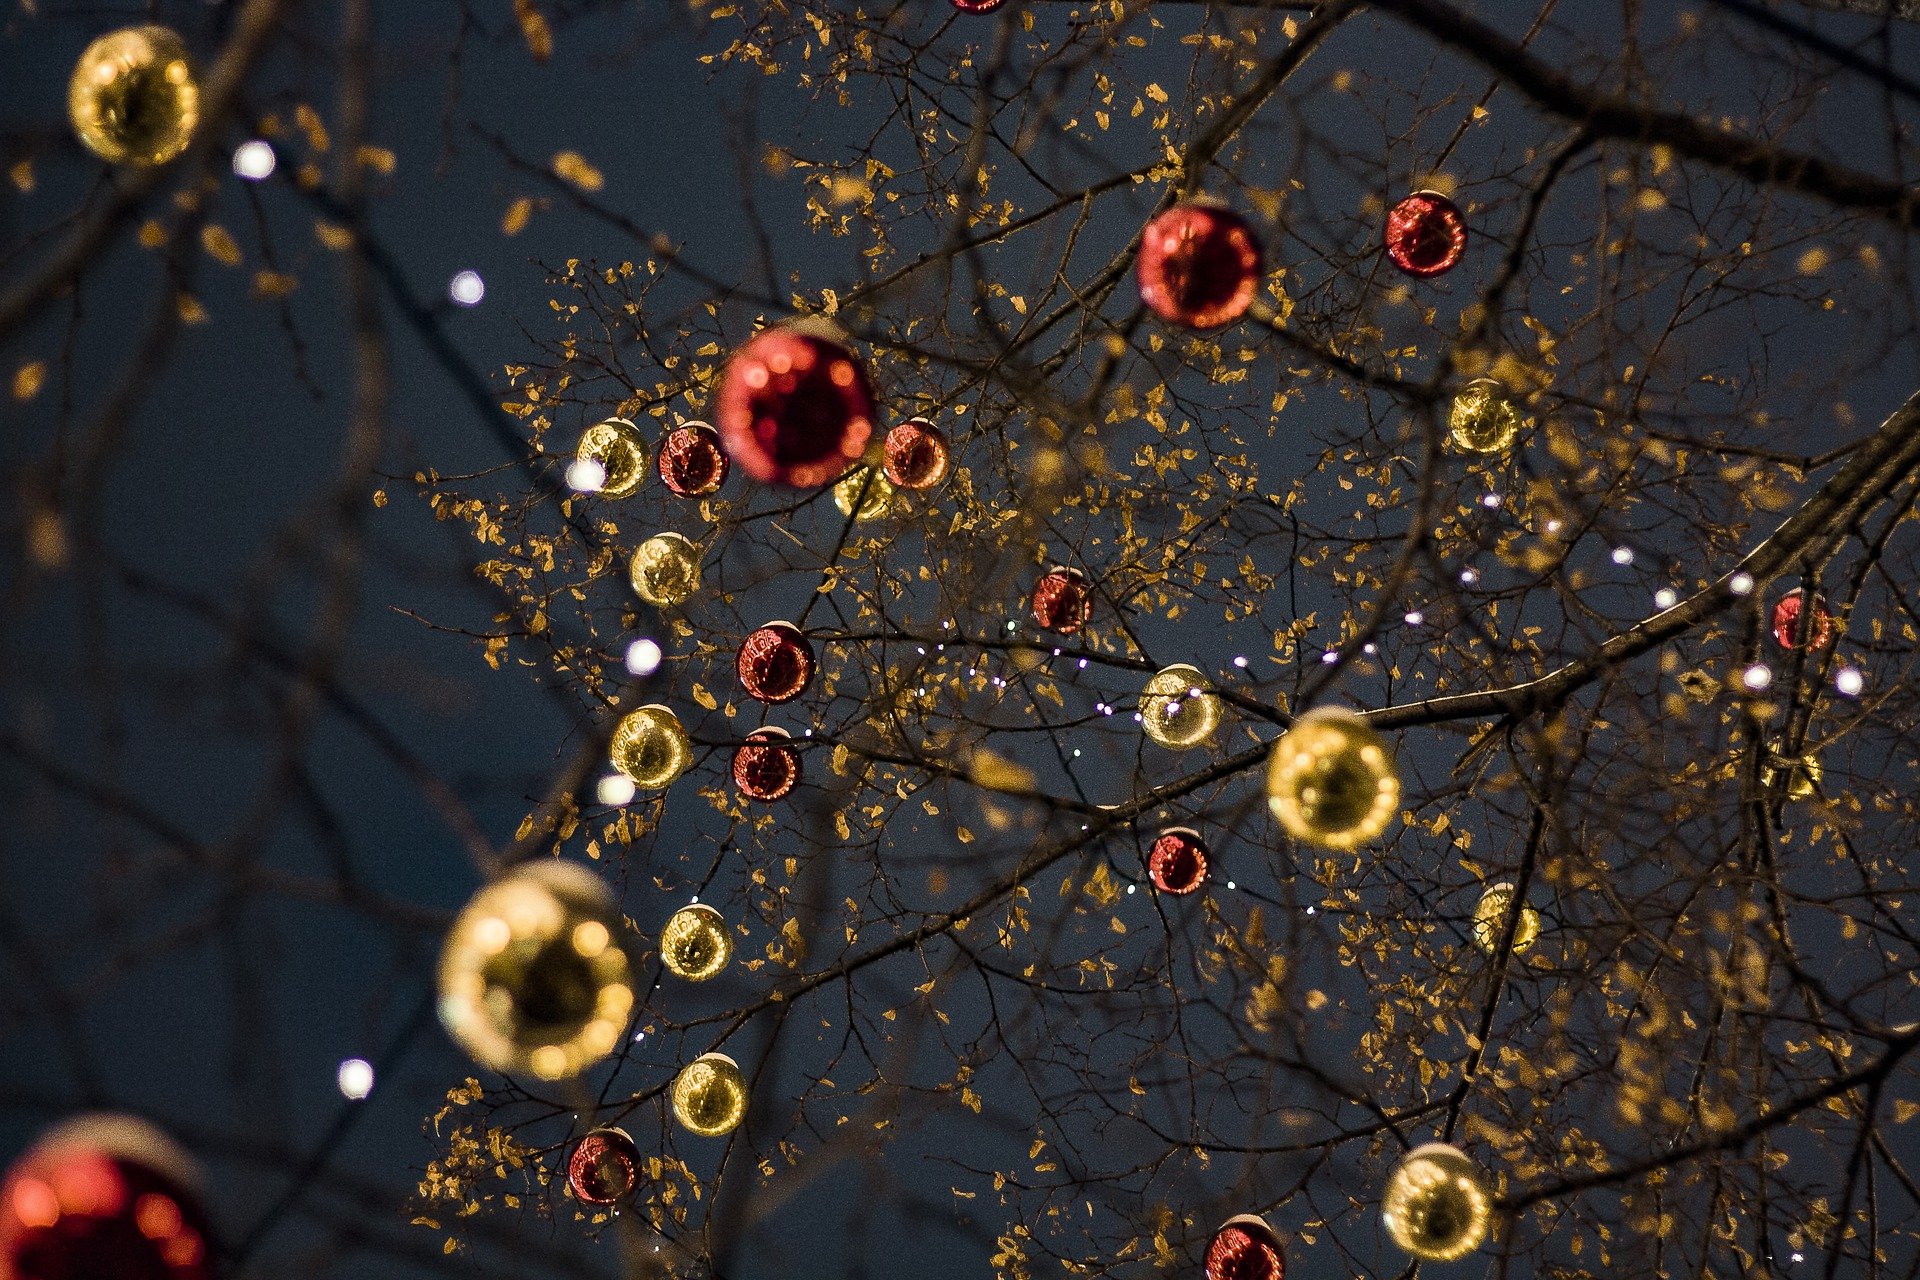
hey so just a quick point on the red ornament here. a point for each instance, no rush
(1177, 862)
(1199, 266)
(603, 1167)
(1425, 234)
(794, 407)
(767, 765)
(691, 461)
(1786, 621)
(103, 1198)
(1062, 600)
(917, 455)
(977, 6)
(1245, 1248)
(775, 663)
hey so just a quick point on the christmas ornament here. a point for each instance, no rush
(665, 570)
(691, 462)
(1802, 775)
(103, 1197)
(1176, 708)
(604, 1167)
(1490, 920)
(794, 406)
(1436, 1207)
(651, 747)
(710, 1095)
(1177, 863)
(1787, 626)
(1199, 266)
(1425, 234)
(1484, 418)
(977, 6)
(1062, 600)
(1331, 780)
(133, 98)
(917, 455)
(863, 494)
(533, 976)
(775, 663)
(1245, 1248)
(619, 450)
(767, 765)
(695, 944)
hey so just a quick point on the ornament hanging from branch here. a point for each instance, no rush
(133, 98)
(1425, 235)
(610, 460)
(1331, 780)
(1436, 1208)
(1244, 1247)
(775, 663)
(691, 463)
(794, 406)
(1490, 920)
(917, 455)
(766, 766)
(665, 570)
(1199, 266)
(1178, 709)
(1177, 863)
(1483, 418)
(1062, 600)
(695, 944)
(651, 747)
(863, 494)
(604, 1167)
(710, 1096)
(1788, 628)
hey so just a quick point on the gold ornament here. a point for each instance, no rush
(1484, 418)
(532, 974)
(1803, 775)
(1331, 780)
(133, 97)
(710, 1095)
(665, 570)
(651, 747)
(620, 451)
(695, 944)
(878, 499)
(1176, 708)
(1490, 920)
(1436, 1207)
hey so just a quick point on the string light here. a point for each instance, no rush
(467, 288)
(254, 160)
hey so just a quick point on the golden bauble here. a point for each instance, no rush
(695, 944)
(877, 499)
(533, 976)
(1436, 1207)
(665, 570)
(1484, 418)
(1331, 780)
(1177, 709)
(1802, 775)
(620, 450)
(710, 1095)
(133, 97)
(651, 747)
(1490, 920)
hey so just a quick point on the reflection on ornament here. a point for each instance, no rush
(695, 944)
(1802, 775)
(133, 98)
(767, 765)
(1436, 1207)
(710, 1095)
(665, 570)
(794, 407)
(1177, 709)
(775, 663)
(1331, 780)
(1199, 266)
(1490, 920)
(917, 455)
(651, 747)
(533, 976)
(103, 1197)
(863, 494)
(1425, 234)
(692, 463)
(1245, 1248)
(1062, 600)
(1484, 418)
(1177, 862)
(604, 1167)
(1787, 626)
(618, 449)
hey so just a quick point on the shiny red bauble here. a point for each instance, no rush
(1245, 1248)
(767, 765)
(1199, 266)
(1425, 234)
(1788, 628)
(917, 455)
(794, 407)
(603, 1167)
(103, 1198)
(691, 461)
(775, 663)
(1062, 600)
(1177, 863)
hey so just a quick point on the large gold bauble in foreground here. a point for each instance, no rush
(710, 1095)
(665, 570)
(1176, 708)
(1331, 780)
(1484, 418)
(877, 499)
(695, 944)
(533, 976)
(1436, 1207)
(651, 747)
(133, 97)
(621, 451)
(1490, 920)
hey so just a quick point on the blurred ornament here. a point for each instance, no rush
(133, 98)
(775, 663)
(1177, 863)
(710, 1095)
(863, 494)
(1062, 600)
(1331, 780)
(695, 944)
(1802, 775)
(533, 976)
(619, 450)
(1425, 234)
(1245, 1248)
(977, 6)
(767, 765)
(918, 456)
(1177, 710)
(1490, 920)
(1199, 266)
(651, 747)
(794, 406)
(1787, 624)
(1484, 418)
(665, 570)
(604, 1167)
(691, 462)
(103, 1197)
(1436, 1207)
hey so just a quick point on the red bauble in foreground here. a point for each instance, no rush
(775, 663)
(603, 1167)
(917, 455)
(1062, 600)
(1245, 1248)
(103, 1198)
(1177, 863)
(1787, 624)
(1425, 234)
(1199, 266)
(794, 407)
(691, 461)
(767, 765)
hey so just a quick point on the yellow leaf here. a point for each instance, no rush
(534, 29)
(27, 379)
(333, 235)
(378, 159)
(22, 175)
(516, 217)
(220, 245)
(573, 167)
(152, 234)
(191, 312)
(273, 284)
